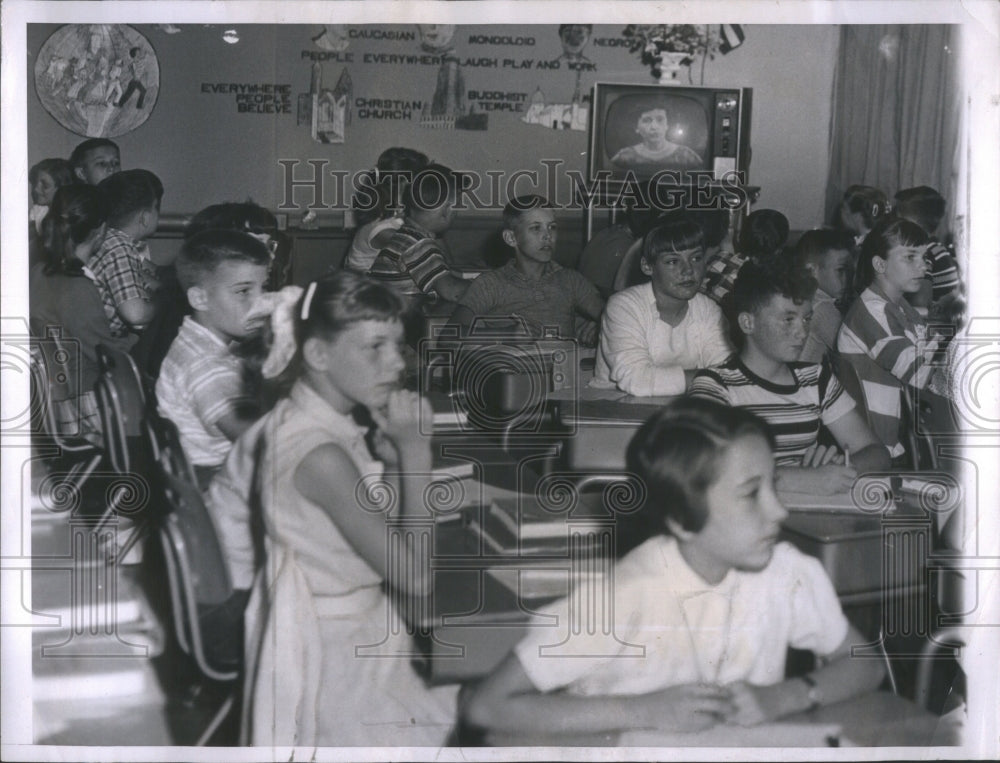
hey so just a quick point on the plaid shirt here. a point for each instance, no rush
(121, 270)
(720, 275)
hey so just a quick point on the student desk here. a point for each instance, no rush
(855, 546)
(475, 619)
(878, 719)
(602, 421)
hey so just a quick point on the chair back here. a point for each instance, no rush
(942, 645)
(51, 387)
(601, 258)
(629, 273)
(123, 409)
(207, 613)
(197, 573)
(919, 444)
(42, 416)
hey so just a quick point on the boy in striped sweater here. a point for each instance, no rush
(883, 337)
(773, 304)
(925, 207)
(413, 260)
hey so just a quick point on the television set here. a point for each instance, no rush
(668, 132)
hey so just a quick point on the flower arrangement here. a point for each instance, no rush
(653, 40)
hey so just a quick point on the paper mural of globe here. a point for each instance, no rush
(98, 80)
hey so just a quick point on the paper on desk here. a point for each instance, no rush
(456, 469)
(723, 735)
(876, 494)
(542, 583)
(866, 495)
(526, 519)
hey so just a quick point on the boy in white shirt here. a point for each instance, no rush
(655, 335)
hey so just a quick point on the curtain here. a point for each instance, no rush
(896, 106)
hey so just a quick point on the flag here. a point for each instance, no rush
(731, 36)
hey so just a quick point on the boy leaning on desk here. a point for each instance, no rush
(773, 305)
(702, 611)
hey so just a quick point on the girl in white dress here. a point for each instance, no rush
(328, 662)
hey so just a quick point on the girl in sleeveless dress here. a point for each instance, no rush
(328, 659)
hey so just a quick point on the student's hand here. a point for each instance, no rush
(588, 334)
(400, 419)
(820, 455)
(688, 707)
(753, 704)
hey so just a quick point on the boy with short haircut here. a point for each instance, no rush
(95, 159)
(704, 611)
(203, 386)
(826, 255)
(123, 269)
(925, 206)
(773, 305)
(654, 335)
(413, 260)
(532, 286)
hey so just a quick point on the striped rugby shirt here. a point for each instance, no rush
(942, 269)
(411, 261)
(886, 344)
(793, 411)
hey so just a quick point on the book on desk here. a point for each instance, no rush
(538, 554)
(519, 527)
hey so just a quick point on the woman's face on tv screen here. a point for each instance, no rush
(652, 125)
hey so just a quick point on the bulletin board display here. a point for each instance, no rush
(245, 111)
(97, 80)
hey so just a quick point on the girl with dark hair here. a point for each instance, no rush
(654, 148)
(705, 607)
(64, 299)
(45, 178)
(861, 208)
(883, 337)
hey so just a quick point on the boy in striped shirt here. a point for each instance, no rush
(204, 387)
(773, 304)
(413, 260)
(925, 207)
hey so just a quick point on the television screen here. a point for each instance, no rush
(673, 133)
(651, 131)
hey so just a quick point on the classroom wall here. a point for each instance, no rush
(206, 151)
